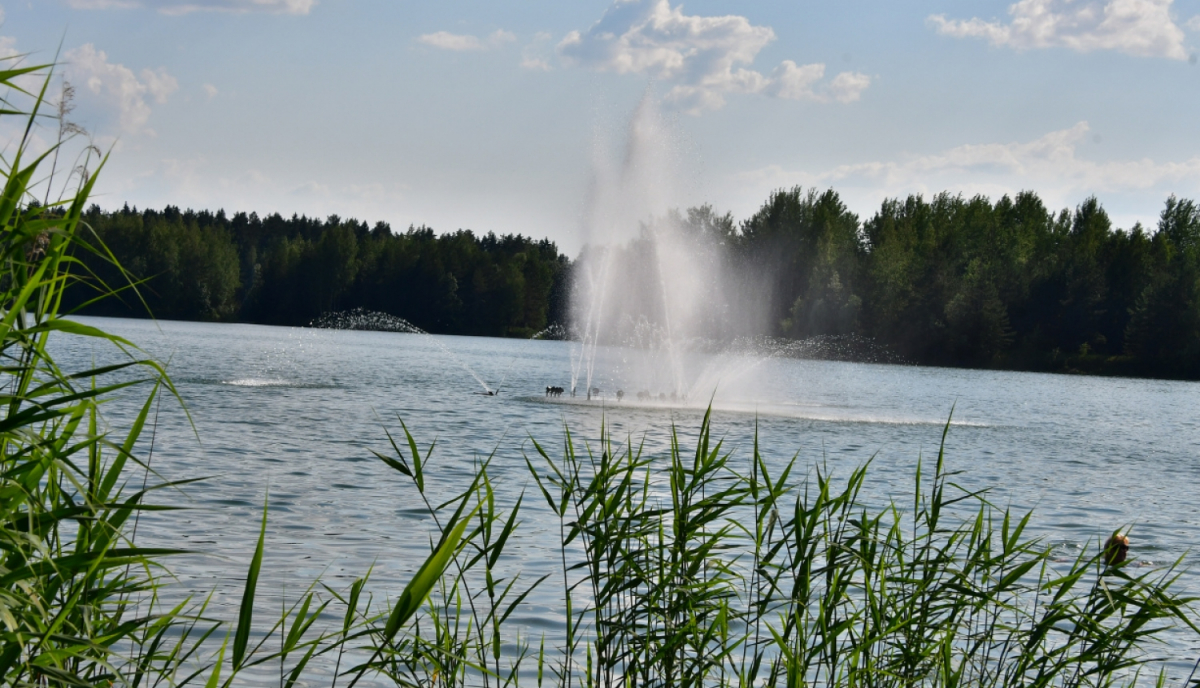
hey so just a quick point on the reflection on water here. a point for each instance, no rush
(298, 412)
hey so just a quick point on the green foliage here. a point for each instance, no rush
(207, 266)
(808, 246)
(68, 571)
(1164, 326)
(654, 601)
(686, 571)
(945, 281)
(79, 598)
(958, 281)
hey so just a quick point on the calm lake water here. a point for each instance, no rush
(296, 412)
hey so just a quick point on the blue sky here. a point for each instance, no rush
(489, 115)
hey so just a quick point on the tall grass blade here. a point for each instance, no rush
(246, 612)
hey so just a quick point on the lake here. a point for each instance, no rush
(296, 412)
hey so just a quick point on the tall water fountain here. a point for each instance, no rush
(659, 307)
(654, 308)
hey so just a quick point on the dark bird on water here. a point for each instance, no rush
(1116, 548)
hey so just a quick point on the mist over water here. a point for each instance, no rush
(654, 286)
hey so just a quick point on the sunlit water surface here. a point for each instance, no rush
(296, 412)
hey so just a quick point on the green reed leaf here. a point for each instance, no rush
(246, 611)
(414, 594)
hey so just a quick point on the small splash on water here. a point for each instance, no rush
(256, 382)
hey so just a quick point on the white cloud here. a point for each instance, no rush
(159, 84)
(795, 82)
(535, 63)
(118, 87)
(8, 45)
(500, 36)
(702, 58)
(847, 87)
(1193, 24)
(103, 4)
(188, 6)
(450, 41)
(466, 42)
(1143, 28)
(534, 55)
(210, 91)
(1051, 164)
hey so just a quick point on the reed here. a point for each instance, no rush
(79, 598)
(69, 573)
(734, 576)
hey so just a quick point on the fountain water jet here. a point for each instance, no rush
(651, 282)
(376, 321)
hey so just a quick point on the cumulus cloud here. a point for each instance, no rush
(1050, 157)
(117, 87)
(535, 63)
(790, 80)
(1052, 164)
(188, 6)
(465, 42)
(8, 45)
(1143, 28)
(103, 4)
(704, 59)
(210, 91)
(847, 87)
(14, 58)
(534, 55)
(451, 41)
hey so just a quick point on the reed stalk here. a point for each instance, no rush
(79, 598)
(733, 577)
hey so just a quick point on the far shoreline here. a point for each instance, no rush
(1070, 372)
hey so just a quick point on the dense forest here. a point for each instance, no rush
(272, 270)
(946, 281)
(970, 282)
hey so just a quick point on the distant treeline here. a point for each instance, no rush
(944, 281)
(968, 282)
(275, 270)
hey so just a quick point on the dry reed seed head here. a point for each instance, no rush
(1116, 548)
(38, 246)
